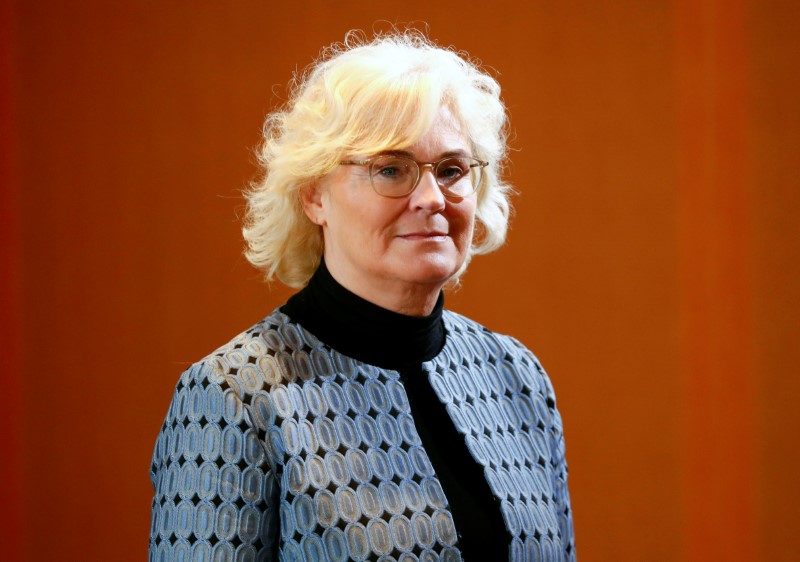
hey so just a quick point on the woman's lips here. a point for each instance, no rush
(432, 236)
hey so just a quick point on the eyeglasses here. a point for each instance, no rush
(397, 176)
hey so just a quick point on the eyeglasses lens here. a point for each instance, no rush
(396, 176)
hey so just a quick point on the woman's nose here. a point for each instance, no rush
(428, 194)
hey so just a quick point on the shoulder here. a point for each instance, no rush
(264, 354)
(244, 370)
(469, 332)
(232, 391)
(506, 353)
(270, 336)
(265, 368)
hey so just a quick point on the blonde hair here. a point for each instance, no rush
(363, 98)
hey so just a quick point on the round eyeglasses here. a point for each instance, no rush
(397, 176)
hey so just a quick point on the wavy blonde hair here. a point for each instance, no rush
(363, 97)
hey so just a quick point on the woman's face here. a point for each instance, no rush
(396, 253)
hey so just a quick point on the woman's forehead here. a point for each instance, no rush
(444, 133)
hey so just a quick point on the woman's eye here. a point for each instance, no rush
(451, 171)
(389, 171)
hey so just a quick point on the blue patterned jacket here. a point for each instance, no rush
(276, 447)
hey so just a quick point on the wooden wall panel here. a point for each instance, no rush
(774, 144)
(652, 262)
(716, 291)
(12, 433)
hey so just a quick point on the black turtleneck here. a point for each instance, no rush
(359, 329)
(366, 332)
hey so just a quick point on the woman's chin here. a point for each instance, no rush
(429, 271)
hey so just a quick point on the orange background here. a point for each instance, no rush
(653, 264)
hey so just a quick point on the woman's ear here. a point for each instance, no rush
(311, 200)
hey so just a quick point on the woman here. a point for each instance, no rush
(361, 420)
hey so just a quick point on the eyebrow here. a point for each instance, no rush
(407, 154)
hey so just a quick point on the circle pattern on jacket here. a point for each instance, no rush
(276, 444)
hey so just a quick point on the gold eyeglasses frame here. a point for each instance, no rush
(434, 166)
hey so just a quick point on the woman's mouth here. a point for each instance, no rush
(433, 235)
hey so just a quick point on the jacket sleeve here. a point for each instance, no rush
(554, 436)
(558, 468)
(216, 494)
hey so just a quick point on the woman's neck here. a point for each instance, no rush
(363, 330)
(403, 297)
